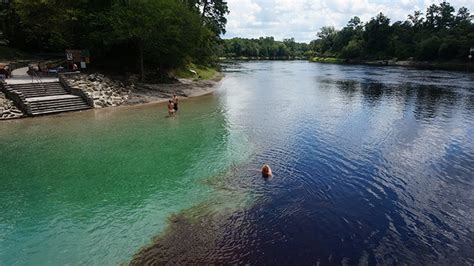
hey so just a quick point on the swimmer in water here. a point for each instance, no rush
(266, 171)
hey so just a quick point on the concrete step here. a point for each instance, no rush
(29, 88)
(56, 103)
(29, 94)
(53, 98)
(47, 98)
(33, 85)
(37, 89)
(59, 110)
(37, 106)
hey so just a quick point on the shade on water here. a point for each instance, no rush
(371, 165)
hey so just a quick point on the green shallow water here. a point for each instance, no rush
(94, 187)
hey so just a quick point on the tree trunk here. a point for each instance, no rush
(142, 67)
(204, 9)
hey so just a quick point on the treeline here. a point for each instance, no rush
(162, 34)
(263, 47)
(439, 34)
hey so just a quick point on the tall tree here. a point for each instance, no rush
(213, 13)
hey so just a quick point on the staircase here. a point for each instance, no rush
(44, 98)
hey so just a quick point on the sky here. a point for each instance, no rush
(302, 19)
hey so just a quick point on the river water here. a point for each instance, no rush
(371, 165)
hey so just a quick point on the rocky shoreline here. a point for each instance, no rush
(8, 110)
(107, 92)
(104, 91)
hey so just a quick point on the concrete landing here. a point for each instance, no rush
(19, 76)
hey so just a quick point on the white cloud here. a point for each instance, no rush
(302, 19)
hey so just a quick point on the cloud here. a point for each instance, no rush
(302, 19)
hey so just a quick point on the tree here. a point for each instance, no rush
(416, 19)
(327, 37)
(213, 13)
(166, 31)
(439, 17)
(376, 35)
(438, 35)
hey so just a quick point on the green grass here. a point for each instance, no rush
(332, 60)
(203, 72)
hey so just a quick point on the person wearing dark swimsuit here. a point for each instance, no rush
(175, 103)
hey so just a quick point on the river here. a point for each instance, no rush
(371, 165)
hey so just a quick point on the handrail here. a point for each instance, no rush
(40, 82)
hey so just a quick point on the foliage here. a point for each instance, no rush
(8, 53)
(160, 34)
(439, 35)
(331, 60)
(263, 47)
(195, 71)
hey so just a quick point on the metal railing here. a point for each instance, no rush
(34, 76)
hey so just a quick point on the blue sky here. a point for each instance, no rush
(302, 19)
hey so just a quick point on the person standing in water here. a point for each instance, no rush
(175, 103)
(170, 108)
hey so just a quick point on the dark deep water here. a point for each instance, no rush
(373, 165)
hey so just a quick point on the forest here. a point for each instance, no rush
(264, 47)
(155, 35)
(440, 33)
(160, 35)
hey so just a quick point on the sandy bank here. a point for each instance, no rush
(104, 91)
(184, 88)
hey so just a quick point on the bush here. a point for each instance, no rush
(428, 49)
(353, 49)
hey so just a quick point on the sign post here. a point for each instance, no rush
(78, 57)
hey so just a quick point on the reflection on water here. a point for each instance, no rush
(93, 187)
(373, 165)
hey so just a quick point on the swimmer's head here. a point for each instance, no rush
(266, 171)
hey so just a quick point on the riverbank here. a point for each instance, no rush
(184, 87)
(433, 65)
(105, 92)
(114, 90)
(276, 58)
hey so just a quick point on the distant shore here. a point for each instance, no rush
(285, 58)
(433, 65)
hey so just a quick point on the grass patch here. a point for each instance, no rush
(332, 60)
(202, 72)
